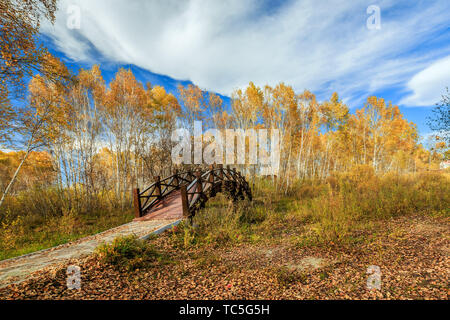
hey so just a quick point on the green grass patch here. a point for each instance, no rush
(128, 253)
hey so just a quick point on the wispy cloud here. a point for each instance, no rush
(428, 85)
(323, 46)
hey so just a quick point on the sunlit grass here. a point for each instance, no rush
(341, 209)
(40, 220)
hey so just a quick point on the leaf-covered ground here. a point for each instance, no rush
(412, 252)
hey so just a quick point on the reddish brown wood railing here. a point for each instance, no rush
(196, 188)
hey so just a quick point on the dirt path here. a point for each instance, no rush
(21, 268)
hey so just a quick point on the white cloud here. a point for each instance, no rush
(6, 150)
(222, 45)
(429, 84)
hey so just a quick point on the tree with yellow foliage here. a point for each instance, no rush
(20, 55)
(40, 121)
(38, 170)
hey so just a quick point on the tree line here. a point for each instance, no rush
(114, 137)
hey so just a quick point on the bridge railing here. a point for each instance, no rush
(195, 189)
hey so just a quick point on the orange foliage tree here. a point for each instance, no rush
(20, 55)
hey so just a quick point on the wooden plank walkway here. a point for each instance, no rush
(169, 208)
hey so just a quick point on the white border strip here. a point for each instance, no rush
(161, 230)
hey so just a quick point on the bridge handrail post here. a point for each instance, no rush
(157, 191)
(221, 171)
(220, 177)
(198, 174)
(176, 181)
(211, 175)
(234, 174)
(137, 203)
(184, 201)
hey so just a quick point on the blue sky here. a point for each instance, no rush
(323, 46)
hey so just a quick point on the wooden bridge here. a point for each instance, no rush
(182, 194)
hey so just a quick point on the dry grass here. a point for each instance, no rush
(43, 218)
(338, 210)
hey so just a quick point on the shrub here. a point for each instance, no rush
(287, 277)
(11, 229)
(189, 237)
(222, 222)
(128, 253)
